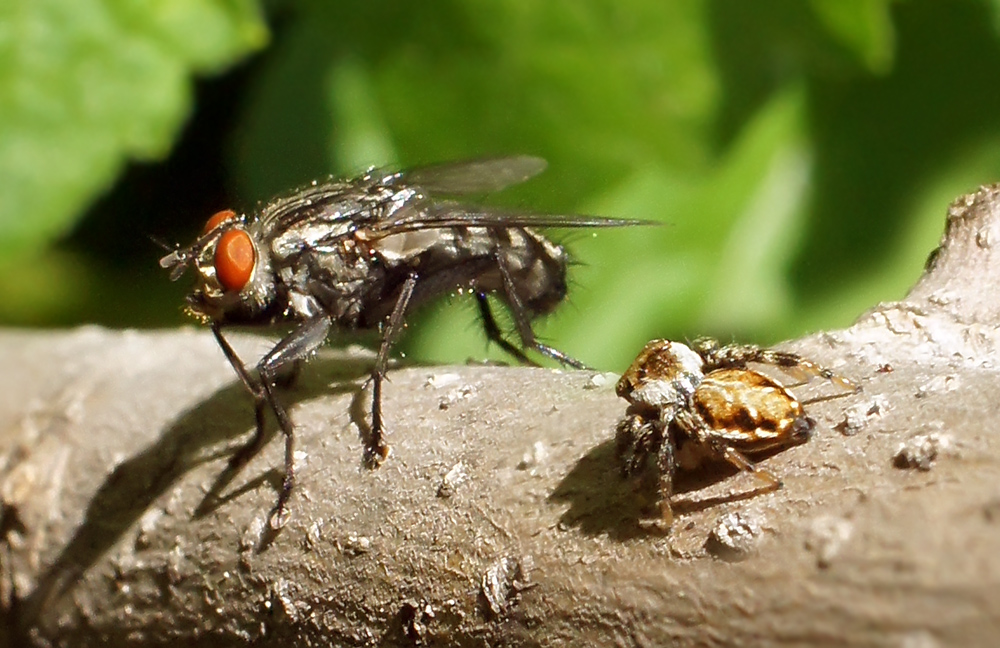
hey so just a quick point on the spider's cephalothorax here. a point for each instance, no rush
(361, 254)
(706, 395)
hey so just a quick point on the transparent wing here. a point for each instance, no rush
(320, 201)
(452, 178)
(413, 207)
(474, 176)
(431, 215)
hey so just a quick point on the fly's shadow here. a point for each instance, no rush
(602, 502)
(216, 497)
(136, 483)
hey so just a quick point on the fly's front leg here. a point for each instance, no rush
(375, 449)
(259, 396)
(296, 346)
(522, 322)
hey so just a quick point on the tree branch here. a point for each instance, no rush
(500, 517)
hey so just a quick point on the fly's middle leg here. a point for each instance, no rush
(376, 449)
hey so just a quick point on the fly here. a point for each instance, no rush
(361, 254)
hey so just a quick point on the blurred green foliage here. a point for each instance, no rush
(801, 153)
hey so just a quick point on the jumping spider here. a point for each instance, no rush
(707, 397)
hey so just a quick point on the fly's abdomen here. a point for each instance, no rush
(538, 269)
(451, 258)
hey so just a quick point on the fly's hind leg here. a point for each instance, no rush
(494, 334)
(522, 321)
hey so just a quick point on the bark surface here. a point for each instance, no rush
(500, 518)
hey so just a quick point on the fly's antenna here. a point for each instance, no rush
(177, 261)
(160, 243)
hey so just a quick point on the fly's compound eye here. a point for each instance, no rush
(234, 259)
(218, 218)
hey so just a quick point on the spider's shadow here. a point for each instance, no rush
(603, 502)
(137, 482)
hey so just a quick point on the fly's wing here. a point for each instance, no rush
(426, 214)
(411, 205)
(340, 200)
(473, 176)
(319, 202)
(470, 177)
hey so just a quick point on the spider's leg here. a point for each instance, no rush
(738, 459)
(701, 433)
(730, 356)
(803, 370)
(738, 356)
(666, 464)
(637, 437)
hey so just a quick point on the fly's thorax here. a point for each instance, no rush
(234, 282)
(665, 374)
(316, 235)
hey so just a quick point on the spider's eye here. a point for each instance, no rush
(234, 259)
(218, 218)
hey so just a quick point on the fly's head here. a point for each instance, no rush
(233, 279)
(663, 376)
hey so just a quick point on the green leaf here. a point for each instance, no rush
(595, 88)
(87, 84)
(720, 266)
(363, 136)
(903, 257)
(863, 27)
(598, 88)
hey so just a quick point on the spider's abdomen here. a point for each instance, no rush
(750, 411)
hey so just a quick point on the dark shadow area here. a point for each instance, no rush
(215, 498)
(138, 481)
(603, 502)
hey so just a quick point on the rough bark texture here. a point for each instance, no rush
(500, 517)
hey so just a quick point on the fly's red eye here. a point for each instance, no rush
(234, 259)
(218, 218)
